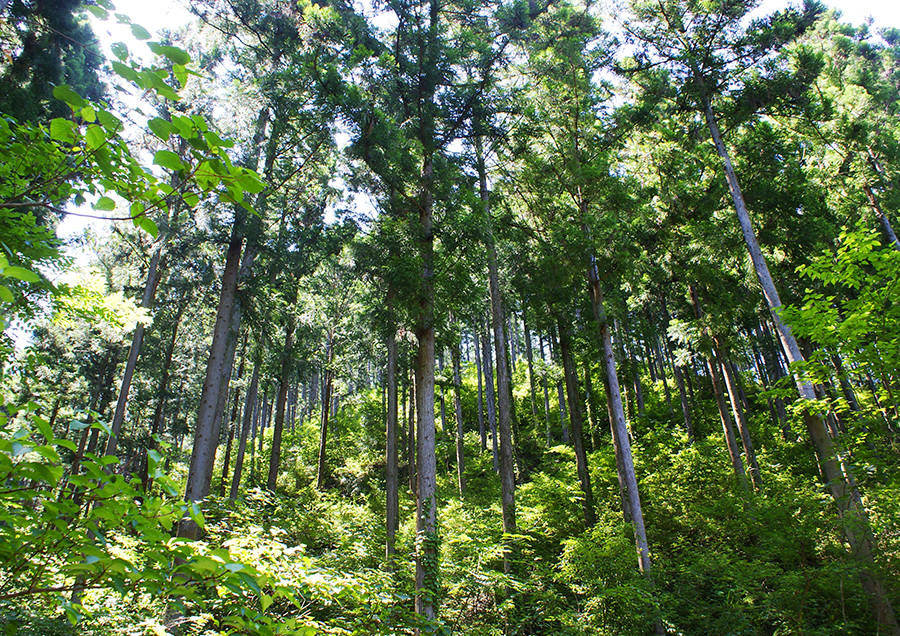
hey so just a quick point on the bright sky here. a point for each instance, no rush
(159, 14)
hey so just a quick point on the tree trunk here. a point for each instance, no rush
(326, 409)
(575, 422)
(592, 420)
(482, 433)
(856, 528)
(625, 461)
(275, 457)
(738, 412)
(411, 433)
(205, 435)
(232, 421)
(249, 407)
(504, 384)
(163, 390)
(460, 440)
(529, 356)
(392, 485)
(883, 218)
(427, 568)
(153, 277)
(487, 360)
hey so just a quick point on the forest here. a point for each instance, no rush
(514, 317)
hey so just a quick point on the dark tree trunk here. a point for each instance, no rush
(460, 439)
(153, 277)
(247, 422)
(326, 410)
(206, 433)
(575, 421)
(275, 457)
(392, 485)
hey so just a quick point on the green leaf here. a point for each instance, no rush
(180, 73)
(161, 128)
(126, 72)
(88, 114)
(250, 182)
(147, 224)
(191, 199)
(119, 50)
(140, 32)
(105, 204)
(109, 121)
(168, 159)
(44, 427)
(62, 130)
(14, 271)
(185, 126)
(48, 452)
(175, 54)
(5, 294)
(98, 12)
(65, 93)
(94, 137)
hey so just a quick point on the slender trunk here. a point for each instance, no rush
(625, 463)
(249, 408)
(739, 417)
(457, 405)
(546, 396)
(153, 276)
(232, 421)
(529, 356)
(487, 359)
(411, 434)
(593, 424)
(857, 528)
(712, 368)
(883, 218)
(427, 568)
(229, 445)
(275, 457)
(575, 422)
(205, 434)
(163, 390)
(482, 433)
(392, 485)
(846, 387)
(326, 409)
(504, 384)
(662, 374)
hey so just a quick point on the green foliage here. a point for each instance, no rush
(853, 310)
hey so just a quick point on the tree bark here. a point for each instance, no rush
(249, 407)
(504, 384)
(460, 440)
(163, 390)
(326, 410)
(739, 417)
(625, 461)
(426, 461)
(232, 420)
(487, 360)
(203, 454)
(840, 482)
(482, 433)
(411, 433)
(275, 457)
(153, 277)
(529, 356)
(392, 483)
(575, 422)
